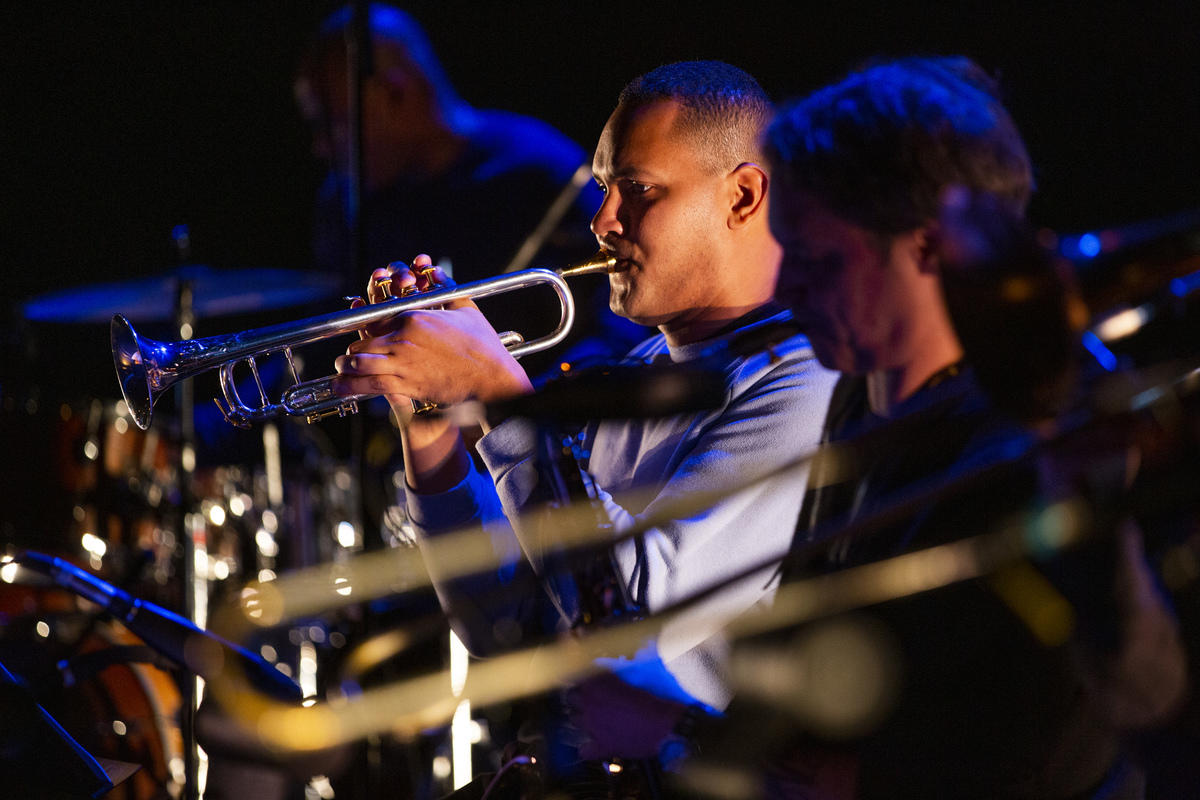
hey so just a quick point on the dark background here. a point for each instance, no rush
(120, 120)
(123, 120)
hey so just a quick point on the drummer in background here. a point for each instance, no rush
(482, 191)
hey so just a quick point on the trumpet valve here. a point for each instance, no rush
(420, 407)
(385, 284)
(342, 410)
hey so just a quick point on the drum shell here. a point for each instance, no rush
(123, 711)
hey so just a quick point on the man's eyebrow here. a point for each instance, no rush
(627, 172)
(634, 172)
(614, 174)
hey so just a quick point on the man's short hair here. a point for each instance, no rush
(879, 147)
(723, 108)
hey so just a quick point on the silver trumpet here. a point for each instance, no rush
(146, 368)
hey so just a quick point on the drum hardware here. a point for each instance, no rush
(145, 367)
(217, 292)
(125, 481)
(48, 761)
(123, 491)
(180, 640)
(105, 687)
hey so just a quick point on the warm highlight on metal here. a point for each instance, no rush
(407, 707)
(146, 368)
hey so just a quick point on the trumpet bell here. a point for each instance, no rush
(132, 373)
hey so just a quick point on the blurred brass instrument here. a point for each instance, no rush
(407, 707)
(146, 368)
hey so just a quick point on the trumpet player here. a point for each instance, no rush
(685, 215)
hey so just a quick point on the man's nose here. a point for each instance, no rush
(605, 222)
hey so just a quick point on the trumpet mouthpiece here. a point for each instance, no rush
(602, 262)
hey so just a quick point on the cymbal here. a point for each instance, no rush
(215, 292)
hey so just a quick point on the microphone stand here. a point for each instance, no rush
(199, 651)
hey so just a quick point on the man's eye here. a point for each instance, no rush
(636, 188)
(603, 189)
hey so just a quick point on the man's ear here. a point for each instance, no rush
(748, 193)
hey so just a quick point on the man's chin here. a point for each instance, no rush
(621, 304)
(636, 315)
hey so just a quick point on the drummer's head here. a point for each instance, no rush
(410, 108)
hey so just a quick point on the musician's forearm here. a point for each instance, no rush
(435, 457)
(501, 381)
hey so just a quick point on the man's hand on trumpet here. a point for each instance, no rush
(444, 355)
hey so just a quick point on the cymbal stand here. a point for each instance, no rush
(359, 67)
(195, 589)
